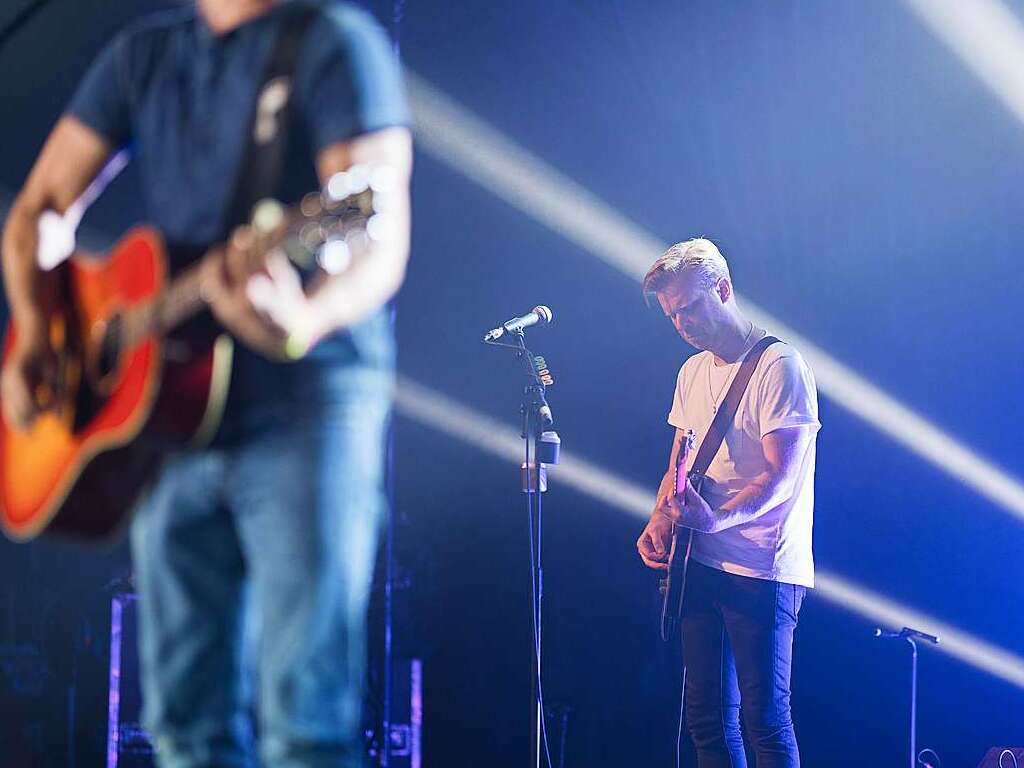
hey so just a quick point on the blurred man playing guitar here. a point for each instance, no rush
(278, 513)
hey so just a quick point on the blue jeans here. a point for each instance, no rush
(738, 647)
(275, 531)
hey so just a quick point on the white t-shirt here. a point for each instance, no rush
(781, 393)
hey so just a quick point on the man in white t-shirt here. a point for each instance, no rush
(751, 559)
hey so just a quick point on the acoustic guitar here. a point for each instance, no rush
(143, 365)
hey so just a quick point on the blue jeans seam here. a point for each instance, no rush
(721, 697)
(775, 648)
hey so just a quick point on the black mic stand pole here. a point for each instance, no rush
(541, 446)
(536, 418)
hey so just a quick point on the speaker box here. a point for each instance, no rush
(991, 759)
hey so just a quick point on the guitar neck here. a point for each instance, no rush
(181, 300)
(685, 446)
(319, 220)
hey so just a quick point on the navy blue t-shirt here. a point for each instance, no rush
(183, 99)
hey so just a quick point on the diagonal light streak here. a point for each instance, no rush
(481, 153)
(434, 410)
(987, 37)
(955, 642)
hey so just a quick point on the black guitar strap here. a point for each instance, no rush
(727, 412)
(267, 138)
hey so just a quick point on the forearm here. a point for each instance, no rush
(24, 282)
(338, 301)
(373, 277)
(70, 159)
(762, 494)
(665, 488)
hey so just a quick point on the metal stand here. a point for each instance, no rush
(909, 634)
(541, 446)
(397, 12)
(534, 479)
(389, 584)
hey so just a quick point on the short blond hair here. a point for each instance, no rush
(698, 255)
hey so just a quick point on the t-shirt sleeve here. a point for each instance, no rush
(675, 415)
(788, 396)
(353, 82)
(101, 100)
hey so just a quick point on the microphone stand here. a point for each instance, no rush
(909, 634)
(541, 446)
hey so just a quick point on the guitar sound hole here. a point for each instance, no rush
(110, 348)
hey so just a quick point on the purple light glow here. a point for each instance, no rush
(114, 681)
(416, 710)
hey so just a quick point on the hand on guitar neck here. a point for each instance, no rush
(267, 309)
(684, 507)
(656, 542)
(251, 282)
(665, 547)
(688, 509)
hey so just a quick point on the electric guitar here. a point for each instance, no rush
(674, 583)
(143, 365)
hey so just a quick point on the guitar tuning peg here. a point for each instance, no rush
(267, 216)
(311, 205)
(336, 188)
(334, 256)
(344, 184)
(312, 235)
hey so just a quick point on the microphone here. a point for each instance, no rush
(540, 315)
(905, 633)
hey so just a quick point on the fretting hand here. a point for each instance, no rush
(267, 309)
(689, 510)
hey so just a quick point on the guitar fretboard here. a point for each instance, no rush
(181, 300)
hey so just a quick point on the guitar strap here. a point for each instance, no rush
(727, 412)
(267, 138)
